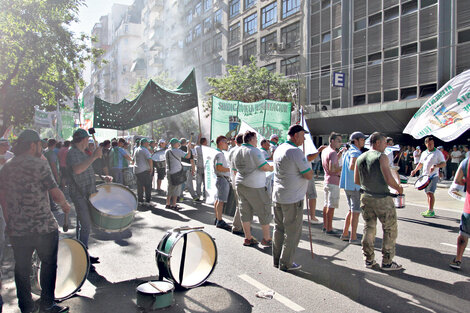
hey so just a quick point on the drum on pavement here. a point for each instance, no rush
(155, 295)
(113, 207)
(73, 264)
(186, 256)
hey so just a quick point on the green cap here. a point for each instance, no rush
(29, 135)
(80, 134)
(173, 141)
(152, 141)
(143, 140)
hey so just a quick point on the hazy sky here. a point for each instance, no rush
(90, 14)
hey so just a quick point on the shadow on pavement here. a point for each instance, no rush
(452, 229)
(121, 297)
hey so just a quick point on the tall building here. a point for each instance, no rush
(373, 63)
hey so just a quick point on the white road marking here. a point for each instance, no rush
(288, 303)
(466, 252)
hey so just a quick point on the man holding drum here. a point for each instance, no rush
(27, 182)
(431, 160)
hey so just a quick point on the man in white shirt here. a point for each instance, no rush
(430, 161)
(455, 158)
(416, 156)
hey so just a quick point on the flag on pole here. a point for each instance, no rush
(245, 127)
(446, 114)
(308, 145)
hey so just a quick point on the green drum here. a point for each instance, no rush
(113, 207)
(155, 295)
(187, 256)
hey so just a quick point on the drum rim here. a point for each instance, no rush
(181, 233)
(454, 196)
(157, 292)
(425, 184)
(121, 186)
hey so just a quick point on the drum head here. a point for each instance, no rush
(156, 287)
(72, 268)
(200, 257)
(114, 199)
(422, 182)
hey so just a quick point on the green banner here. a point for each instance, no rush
(68, 124)
(266, 116)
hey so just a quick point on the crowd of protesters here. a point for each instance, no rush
(270, 181)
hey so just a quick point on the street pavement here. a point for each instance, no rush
(334, 280)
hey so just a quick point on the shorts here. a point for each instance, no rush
(174, 191)
(431, 188)
(254, 200)
(311, 189)
(223, 189)
(161, 172)
(331, 193)
(465, 225)
(354, 200)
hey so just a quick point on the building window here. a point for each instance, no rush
(269, 15)
(232, 57)
(217, 42)
(251, 24)
(189, 37)
(271, 67)
(290, 7)
(359, 100)
(325, 70)
(197, 30)
(234, 34)
(249, 3)
(391, 54)
(359, 62)
(408, 93)
(290, 35)
(337, 32)
(430, 44)
(335, 103)
(374, 98)
(391, 13)
(409, 7)
(360, 24)
(375, 19)
(325, 4)
(207, 25)
(207, 5)
(189, 18)
(218, 17)
(326, 37)
(391, 95)
(290, 66)
(207, 47)
(427, 90)
(267, 43)
(426, 3)
(375, 58)
(198, 9)
(409, 49)
(464, 36)
(217, 67)
(234, 6)
(248, 51)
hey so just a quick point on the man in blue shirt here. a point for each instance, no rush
(352, 190)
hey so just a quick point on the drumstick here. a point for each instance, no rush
(65, 227)
(155, 286)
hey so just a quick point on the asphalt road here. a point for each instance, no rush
(334, 280)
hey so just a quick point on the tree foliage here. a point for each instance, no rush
(40, 58)
(249, 83)
(180, 125)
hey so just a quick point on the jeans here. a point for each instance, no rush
(188, 183)
(144, 181)
(83, 219)
(118, 176)
(46, 246)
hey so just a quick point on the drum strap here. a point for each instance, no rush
(183, 257)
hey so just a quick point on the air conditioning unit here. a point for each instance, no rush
(281, 46)
(272, 46)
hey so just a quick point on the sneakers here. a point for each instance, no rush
(428, 214)
(250, 242)
(315, 222)
(344, 238)
(455, 264)
(197, 199)
(293, 267)
(331, 232)
(354, 242)
(54, 309)
(370, 264)
(267, 243)
(222, 224)
(391, 267)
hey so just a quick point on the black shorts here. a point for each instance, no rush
(161, 173)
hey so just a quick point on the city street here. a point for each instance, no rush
(335, 280)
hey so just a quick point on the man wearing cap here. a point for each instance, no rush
(250, 182)
(430, 162)
(373, 174)
(455, 157)
(200, 184)
(332, 168)
(173, 165)
(160, 165)
(416, 156)
(190, 170)
(274, 143)
(82, 183)
(222, 171)
(292, 173)
(351, 189)
(26, 183)
(118, 160)
(237, 227)
(265, 149)
(143, 171)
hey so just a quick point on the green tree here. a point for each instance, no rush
(41, 60)
(180, 125)
(249, 83)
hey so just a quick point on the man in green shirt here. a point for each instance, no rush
(372, 173)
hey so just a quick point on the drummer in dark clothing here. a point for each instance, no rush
(26, 183)
(82, 183)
